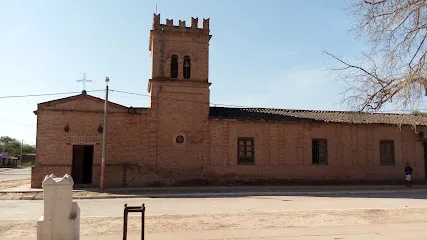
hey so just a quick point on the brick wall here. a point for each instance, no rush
(142, 148)
(283, 151)
(127, 138)
(179, 107)
(180, 111)
(166, 41)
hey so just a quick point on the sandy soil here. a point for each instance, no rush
(13, 183)
(205, 222)
(39, 195)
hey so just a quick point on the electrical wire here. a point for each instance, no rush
(45, 94)
(184, 100)
(25, 125)
(235, 106)
(167, 98)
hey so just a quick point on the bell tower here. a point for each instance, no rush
(179, 52)
(179, 92)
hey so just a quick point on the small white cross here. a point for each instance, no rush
(84, 81)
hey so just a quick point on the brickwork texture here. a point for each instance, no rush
(174, 141)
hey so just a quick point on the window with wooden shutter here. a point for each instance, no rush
(319, 151)
(245, 151)
(387, 152)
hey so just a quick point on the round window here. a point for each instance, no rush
(179, 139)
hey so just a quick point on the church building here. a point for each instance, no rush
(180, 139)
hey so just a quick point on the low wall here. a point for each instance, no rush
(38, 173)
(132, 175)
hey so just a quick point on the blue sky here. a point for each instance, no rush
(262, 53)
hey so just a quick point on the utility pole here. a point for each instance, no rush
(104, 135)
(20, 158)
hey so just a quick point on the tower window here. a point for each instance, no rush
(187, 67)
(174, 66)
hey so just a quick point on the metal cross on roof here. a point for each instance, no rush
(84, 81)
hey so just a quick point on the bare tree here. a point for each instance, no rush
(395, 67)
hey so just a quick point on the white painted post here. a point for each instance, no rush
(61, 219)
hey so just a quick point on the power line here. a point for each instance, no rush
(184, 100)
(167, 98)
(146, 95)
(235, 106)
(44, 94)
(26, 125)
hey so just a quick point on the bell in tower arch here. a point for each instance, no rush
(187, 67)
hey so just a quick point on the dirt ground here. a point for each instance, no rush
(91, 226)
(206, 222)
(13, 183)
(38, 195)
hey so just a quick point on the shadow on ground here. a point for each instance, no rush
(402, 192)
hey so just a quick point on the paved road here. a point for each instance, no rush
(7, 174)
(32, 209)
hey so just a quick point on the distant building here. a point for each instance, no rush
(28, 158)
(8, 161)
(181, 139)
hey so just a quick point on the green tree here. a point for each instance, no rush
(13, 146)
(418, 113)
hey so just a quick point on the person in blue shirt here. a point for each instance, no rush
(408, 172)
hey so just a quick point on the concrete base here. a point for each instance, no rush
(61, 219)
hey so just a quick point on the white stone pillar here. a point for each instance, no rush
(61, 218)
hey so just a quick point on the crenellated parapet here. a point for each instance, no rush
(182, 27)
